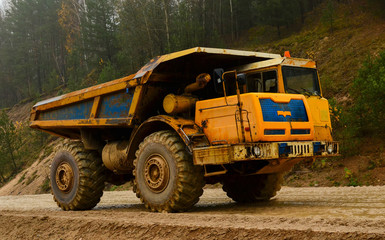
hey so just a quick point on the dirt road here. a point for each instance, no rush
(296, 213)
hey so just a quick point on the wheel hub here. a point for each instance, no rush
(64, 177)
(156, 173)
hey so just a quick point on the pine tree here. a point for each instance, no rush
(9, 143)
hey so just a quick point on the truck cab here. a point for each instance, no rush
(284, 119)
(293, 76)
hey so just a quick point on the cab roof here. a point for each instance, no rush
(284, 61)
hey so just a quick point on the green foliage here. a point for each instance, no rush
(30, 48)
(343, 130)
(372, 165)
(46, 187)
(10, 143)
(365, 116)
(52, 81)
(21, 178)
(313, 184)
(47, 151)
(333, 181)
(277, 13)
(378, 162)
(108, 73)
(328, 16)
(98, 26)
(336, 113)
(319, 163)
(377, 6)
(348, 173)
(19, 145)
(30, 179)
(351, 177)
(368, 91)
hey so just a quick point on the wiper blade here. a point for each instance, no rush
(307, 92)
(310, 93)
(293, 90)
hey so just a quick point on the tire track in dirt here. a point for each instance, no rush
(307, 213)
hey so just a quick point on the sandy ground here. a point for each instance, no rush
(296, 213)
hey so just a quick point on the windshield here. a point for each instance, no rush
(300, 80)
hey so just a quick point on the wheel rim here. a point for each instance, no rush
(156, 173)
(64, 177)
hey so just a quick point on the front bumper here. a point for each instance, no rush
(226, 154)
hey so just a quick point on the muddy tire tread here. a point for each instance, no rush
(189, 180)
(91, 177)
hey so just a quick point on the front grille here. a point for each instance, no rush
(293, 111)
(296, 149)
(301, 149)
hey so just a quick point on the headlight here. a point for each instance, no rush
(257, 151)
(330, 149)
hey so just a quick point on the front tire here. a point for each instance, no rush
(253, 188)
(77, 177)
(165, 177)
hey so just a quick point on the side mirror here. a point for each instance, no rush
(217, 79)
(241, 78)
(217, 75)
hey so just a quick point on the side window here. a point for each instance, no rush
(254, 82)
(270, 81)
(262, 82)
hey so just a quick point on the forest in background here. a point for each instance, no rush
(72, 44)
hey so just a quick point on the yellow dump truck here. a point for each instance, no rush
(188, 118)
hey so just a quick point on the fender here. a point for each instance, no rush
(184, 128)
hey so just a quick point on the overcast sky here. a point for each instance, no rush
(2, 3)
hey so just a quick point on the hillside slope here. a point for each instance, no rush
(357, 33)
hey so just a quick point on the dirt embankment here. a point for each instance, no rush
(296, 213)
(34, 179)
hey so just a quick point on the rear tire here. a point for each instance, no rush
(77, 177)
(253, 188)
(165, 178)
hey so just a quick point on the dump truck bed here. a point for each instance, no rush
(117, 103)
(107, 104)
